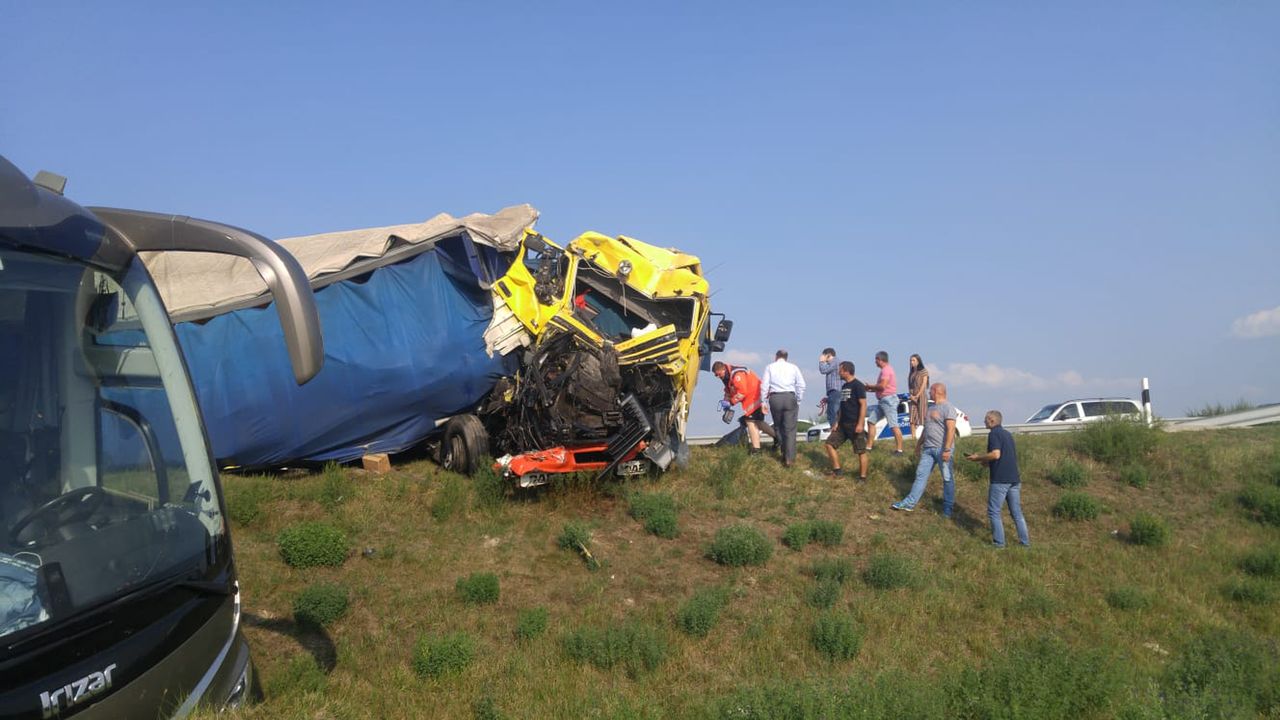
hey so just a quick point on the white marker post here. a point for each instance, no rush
(1146, 402)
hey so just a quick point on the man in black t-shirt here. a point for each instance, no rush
(851, 422)
(1006, 484)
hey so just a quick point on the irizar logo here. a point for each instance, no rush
(76, 692)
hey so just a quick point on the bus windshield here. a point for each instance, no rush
(105, 480)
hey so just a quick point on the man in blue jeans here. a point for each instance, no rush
(829, 366)
(1006, 485)
(936, 447)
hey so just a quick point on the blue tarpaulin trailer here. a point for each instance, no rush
(403, 311)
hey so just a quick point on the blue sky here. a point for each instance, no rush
(1043, 200)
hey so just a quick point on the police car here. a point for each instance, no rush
(822, 430)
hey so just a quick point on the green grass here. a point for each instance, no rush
(963, 635)
(1217, 408)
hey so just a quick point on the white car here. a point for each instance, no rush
(1087, 410)
(821, 431)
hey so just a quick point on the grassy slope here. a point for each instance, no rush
(428, 528)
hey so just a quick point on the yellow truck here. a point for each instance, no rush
(611, 333)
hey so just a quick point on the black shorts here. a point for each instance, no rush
(844, 432)
(758, 416)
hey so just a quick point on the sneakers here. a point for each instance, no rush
(902, 506)
(835, 472)
(898, 452)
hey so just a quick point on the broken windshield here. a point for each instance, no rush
(105, 480)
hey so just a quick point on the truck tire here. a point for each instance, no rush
(465, 447)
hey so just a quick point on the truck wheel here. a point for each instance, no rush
(465, 447)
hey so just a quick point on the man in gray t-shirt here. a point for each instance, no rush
(936, 447)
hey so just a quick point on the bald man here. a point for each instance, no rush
(937, 446)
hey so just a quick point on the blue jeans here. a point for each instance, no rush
(833, 406)
(997, 496)
(928, 458)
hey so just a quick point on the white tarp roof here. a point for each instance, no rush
(197, 284)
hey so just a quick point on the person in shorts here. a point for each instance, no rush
(886, 390)
(851, 422)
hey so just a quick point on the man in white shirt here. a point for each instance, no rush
(782, 385)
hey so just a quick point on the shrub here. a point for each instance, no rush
(302, 675)
(699, 614)
(1264, 501)
(636, 647)
(1251, 591)
(490, 487)
(1149, 530)
(1262, 562)
(739, 545)
(320, 605)
(1041, 678)
(1127, 597)
(531, 623)
(723, 473)
(574, 536)
(1076, 506)
(449, 499)
(1069, 474)
(657, 511)
(245, 497)
(825, 593)
(837, 569)
(478, 588)
(436, 656)
(887, 571)
(486, 709)
(797, 535)
(1116, 441)
(1135, 475)
(577, 537)
(310, 544)
(1223, 673)
(335, 487)
(826, 532)
(837, 636)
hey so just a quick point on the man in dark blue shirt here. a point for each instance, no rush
(1006, 486)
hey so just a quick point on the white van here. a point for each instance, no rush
(1077, 411)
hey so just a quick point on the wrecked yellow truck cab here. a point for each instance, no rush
(613, 332)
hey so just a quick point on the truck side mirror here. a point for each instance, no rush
(535, 242)
(723, 330)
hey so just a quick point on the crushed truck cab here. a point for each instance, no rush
(612, 333)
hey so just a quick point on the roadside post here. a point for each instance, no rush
(1146, 402)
